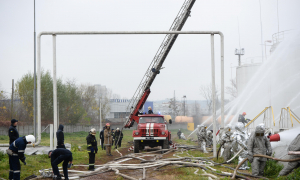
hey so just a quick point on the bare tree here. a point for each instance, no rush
(206, 92)
(174, 106)
(232, 89)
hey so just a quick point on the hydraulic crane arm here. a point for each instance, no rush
(141, 94)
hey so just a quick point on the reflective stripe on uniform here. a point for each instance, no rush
(89, 144)
(21, 150)
(14, 154)
(91, 164)
(15, 144)
(17, 171)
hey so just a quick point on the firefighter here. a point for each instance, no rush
(12, 131)
(102, 138)
(117, 134)
(150, 110)
(92, 148)
(108, 139)
(294, 146)
(16, 151)
(258, 144)
(60, 137)
(226, 140)
(57, 156)
(179, 134)
(202, 138)
(242, 118)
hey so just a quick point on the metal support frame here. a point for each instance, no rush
(289, 113)
(54, 33)
(263, 111)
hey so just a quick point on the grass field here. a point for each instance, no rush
(80, 156)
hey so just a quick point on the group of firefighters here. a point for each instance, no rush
(17, 147)
(238, 142)
(246, 146)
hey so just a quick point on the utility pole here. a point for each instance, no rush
(12, 99)
(34, 93)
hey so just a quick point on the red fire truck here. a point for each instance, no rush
(151, 131)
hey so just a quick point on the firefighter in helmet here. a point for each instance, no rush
(242, 118)
(108, 139)
(92, 148)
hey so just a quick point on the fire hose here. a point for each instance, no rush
(264, 156)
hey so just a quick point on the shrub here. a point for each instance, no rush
(272, 169)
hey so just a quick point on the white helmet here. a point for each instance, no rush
(93, 131)
(30, 138)
(118, 129)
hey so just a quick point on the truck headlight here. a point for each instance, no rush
(136, 133)
(163, 133)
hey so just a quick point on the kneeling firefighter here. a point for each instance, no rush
(92, 148)
(258, 144)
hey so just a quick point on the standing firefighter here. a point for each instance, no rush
(92, 148)
(202, 138)
(258, 144)
(12, 131)
(102, 138)
(108, 139)
(60, 137)
(179, 134)
(294, 146)
(209, 138)
(226, 142)
(57, 156)
(242, 118)
(117, 134)
(16, 151)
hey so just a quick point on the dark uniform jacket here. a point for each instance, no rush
(13, 134)
(242, 119)
(60, 135)
(102, 135)
(18, 147)
(179, 133)
(150, 112)
(60, 152)
(91, 143)
(117, 134)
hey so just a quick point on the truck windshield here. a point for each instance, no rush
(151, 120)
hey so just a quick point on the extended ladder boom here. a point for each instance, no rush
(141, 94)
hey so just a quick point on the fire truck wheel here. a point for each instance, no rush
(166, 144)
(136, 146)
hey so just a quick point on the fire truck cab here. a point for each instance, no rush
(151, 131)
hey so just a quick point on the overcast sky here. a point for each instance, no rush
(120, 61)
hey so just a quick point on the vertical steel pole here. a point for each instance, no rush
(34, 92)
(213, 95)
(12, 99)
(222, 81)
(54, 89)
(39, 89)
(51, 136)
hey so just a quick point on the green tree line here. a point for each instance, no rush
(77, 104)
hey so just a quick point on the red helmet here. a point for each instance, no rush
(107, 124)
(244, 113)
